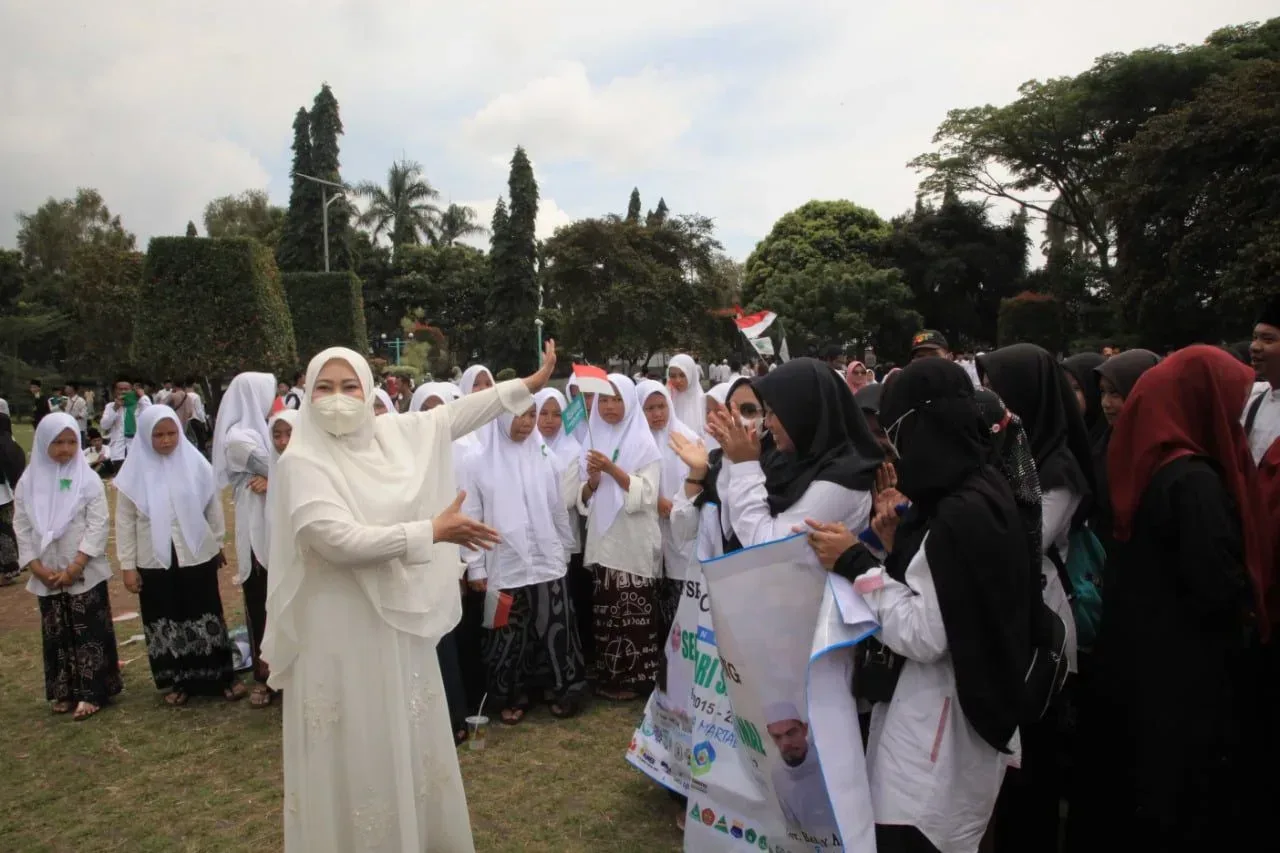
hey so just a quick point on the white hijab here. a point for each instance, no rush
(53, 493)
(387, 402)
(161, 487)
(468, 382)
(629, 444)
(524, 487)
(242, 416)
(674, 471)
(688, 406)
(389, 471)
(720, 394)
(566, 448)
(289, 416)
(446, 392)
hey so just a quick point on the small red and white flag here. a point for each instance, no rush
(755, 325)
(593, 380)
(497, 608)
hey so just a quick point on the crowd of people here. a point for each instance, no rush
(1073, 564)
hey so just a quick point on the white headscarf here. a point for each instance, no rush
(390, 404)
(468, 382)
(629, 444)
(720, 394)
(525, 487)
(446, 392)
(162, 487)
(54, 493)
(388, 471)
(242, 416)
(289, 416)
(566, 448)
(674, 471)
(689, 406)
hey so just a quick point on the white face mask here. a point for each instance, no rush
(340, 414)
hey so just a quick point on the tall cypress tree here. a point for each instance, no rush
(633, 207)
(191, 229)
(326, 127)
(512, 303)
(658, 216)
(299, 247)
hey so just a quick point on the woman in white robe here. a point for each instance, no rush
(684, 379)
(364, 582)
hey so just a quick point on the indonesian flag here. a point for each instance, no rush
(592, 380)
(755, 325)
(497, 608)
(277, 407)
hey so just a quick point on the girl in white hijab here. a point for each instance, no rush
(431, 394)
(169, 532)
(684, 379)
(366, 529)
(516, 486)
(60, 520)
(620, 472)
(655, 402)
(242, 459)
(383, 404)
(568, 453)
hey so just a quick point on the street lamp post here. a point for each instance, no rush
(538, 325)
(397, 343)
(325, 201)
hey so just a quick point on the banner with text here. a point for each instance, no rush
(784, 633)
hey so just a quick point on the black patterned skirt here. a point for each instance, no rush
(8, 544)
(538, 648)
(187, 640)
(628, 630)
(80, 659)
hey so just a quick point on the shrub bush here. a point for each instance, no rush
(327, 310)
(211, 308)
(1033, 318)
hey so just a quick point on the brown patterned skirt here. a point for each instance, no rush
(628, 630)
(80, 659)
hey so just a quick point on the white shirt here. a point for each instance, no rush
(1266, 425)
(927, 767)
(197, 407)
(113, 425)
(746, 500)
(503, 567)
(133, 537)
(633, 543)
(1057, 506)
(86, 534)
(79, 409)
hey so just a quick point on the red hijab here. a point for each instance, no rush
(1190, 405)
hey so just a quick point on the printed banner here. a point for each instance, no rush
(574, 414)
(789, 683)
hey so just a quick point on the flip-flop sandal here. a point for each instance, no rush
(81, 715)
(62, 707)
(236, 692)
(176, 699)
(261, 697)
(513, 716)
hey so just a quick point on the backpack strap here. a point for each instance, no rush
(1252, 414)
(1055, 557)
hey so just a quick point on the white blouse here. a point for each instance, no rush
(1266, 424)
(633, 543)
(747, 502)
(133, 537)
(86, 534)
(1057, 506)
(927, 767)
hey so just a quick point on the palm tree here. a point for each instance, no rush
(404, 209)
(456, 222)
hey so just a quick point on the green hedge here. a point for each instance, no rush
(327, 310)
(1033, 318)
(211, 308)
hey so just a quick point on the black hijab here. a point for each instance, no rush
(1032, 385)
(12, 460)
(976, 545)
(832, 440)
(1122, 371)
(1081, 367)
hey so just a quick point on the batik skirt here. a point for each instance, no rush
(186, 634)
(9, 568)
(628, 630)
(537, 648)
(80, 659)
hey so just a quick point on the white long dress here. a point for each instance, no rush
(353, 622)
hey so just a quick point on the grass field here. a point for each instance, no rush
(145, 778)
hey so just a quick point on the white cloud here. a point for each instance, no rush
(739, 109)
(550, 217)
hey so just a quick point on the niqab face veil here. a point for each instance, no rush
(831, 437)
(390, 470)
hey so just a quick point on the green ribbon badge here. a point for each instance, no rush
(615, 454)
(64, 485)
